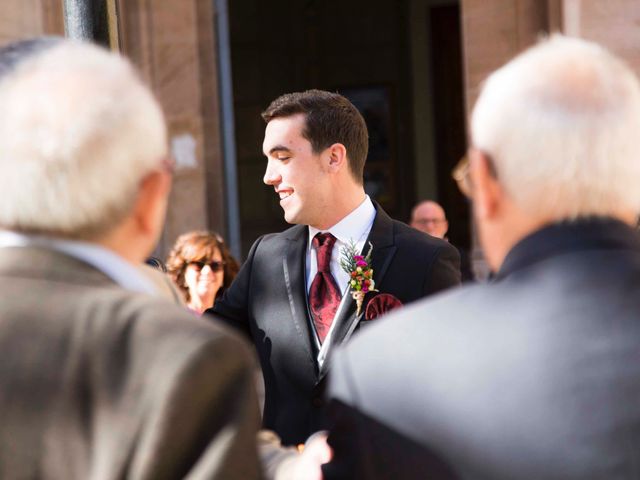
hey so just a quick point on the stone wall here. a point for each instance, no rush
(28, 18)
(173, 44)
(496, 30)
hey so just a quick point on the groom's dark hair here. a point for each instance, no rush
(330, 118)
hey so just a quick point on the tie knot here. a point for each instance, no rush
(323, 242)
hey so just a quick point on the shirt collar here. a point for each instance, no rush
(106, 261)
(568, 236)
(351, 227)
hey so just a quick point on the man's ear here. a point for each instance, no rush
(151, 202)
(337, 157)
(487, 194)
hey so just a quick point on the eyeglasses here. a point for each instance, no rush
(461, 175)
(427, 221)
(214, 265)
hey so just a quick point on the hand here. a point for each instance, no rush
(316, 452)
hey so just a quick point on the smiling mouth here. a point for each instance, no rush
(284, 195)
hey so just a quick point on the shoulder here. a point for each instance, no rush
(163, 284)
(408, 239)
(154, 328)
(434, 326)
(422, 350)
(271, 241)
(428, 350)
(418, 251)
(408, 236)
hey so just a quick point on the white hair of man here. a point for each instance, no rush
(560, 123)
(78, 133)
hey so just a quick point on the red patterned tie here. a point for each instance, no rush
(324, 294)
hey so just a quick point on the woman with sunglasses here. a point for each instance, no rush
(201, 266)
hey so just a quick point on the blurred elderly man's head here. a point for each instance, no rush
(82, 146)
(554, 138)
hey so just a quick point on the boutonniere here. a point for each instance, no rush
(360, 272)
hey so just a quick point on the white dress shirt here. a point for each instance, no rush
(355, 228)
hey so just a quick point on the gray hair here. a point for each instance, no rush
(560, 123)
(78, 133)
(14, 53)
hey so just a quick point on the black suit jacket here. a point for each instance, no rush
(536, 376)
(268, 301)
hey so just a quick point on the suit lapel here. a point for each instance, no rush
(293, 265)
(384, 248)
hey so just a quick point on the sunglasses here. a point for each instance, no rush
(214, 265)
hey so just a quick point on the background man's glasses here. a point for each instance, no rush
(427, 221)
(461, 175)
(214, 265)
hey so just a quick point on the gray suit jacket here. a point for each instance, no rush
(536, 376)
(99, 383)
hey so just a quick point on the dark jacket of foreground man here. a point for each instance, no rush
(536, 376)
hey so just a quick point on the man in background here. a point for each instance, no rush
(101, 378)
(428, 217)
(537, 375)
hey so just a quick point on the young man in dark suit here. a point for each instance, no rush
(291, 297)
(537, 375)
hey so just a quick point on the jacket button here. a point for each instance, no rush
(317, 402)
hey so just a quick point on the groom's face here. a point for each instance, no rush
(295, 172)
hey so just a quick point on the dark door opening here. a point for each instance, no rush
(449, 116)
